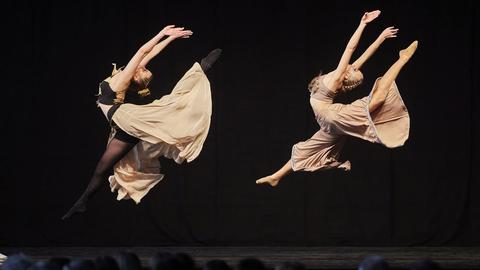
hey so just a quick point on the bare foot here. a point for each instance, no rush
(405, 54)
(346, 166)
(268, 179)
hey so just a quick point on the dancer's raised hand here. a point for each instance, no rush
(389, 32)
(176, 32)
(370, 16)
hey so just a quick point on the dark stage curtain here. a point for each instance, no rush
(424, 193)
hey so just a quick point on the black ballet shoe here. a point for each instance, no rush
(78, 207)
(210, 59)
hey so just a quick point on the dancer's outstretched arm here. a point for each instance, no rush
(122, 80)
(389, 32)
(172, 35)
(335, 82)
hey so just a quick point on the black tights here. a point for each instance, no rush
(115, 151)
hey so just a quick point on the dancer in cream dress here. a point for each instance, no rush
(174, 126)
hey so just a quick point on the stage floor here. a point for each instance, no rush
(312, 257)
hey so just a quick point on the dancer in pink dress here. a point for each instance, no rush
(380, 117)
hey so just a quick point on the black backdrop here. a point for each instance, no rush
(425, 193)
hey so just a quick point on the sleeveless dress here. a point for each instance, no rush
(388, 125)
(174, 126)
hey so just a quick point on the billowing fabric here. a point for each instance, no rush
(388, 125)
(174, 126)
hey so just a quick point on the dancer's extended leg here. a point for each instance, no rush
(384, 84)
(116, 149)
